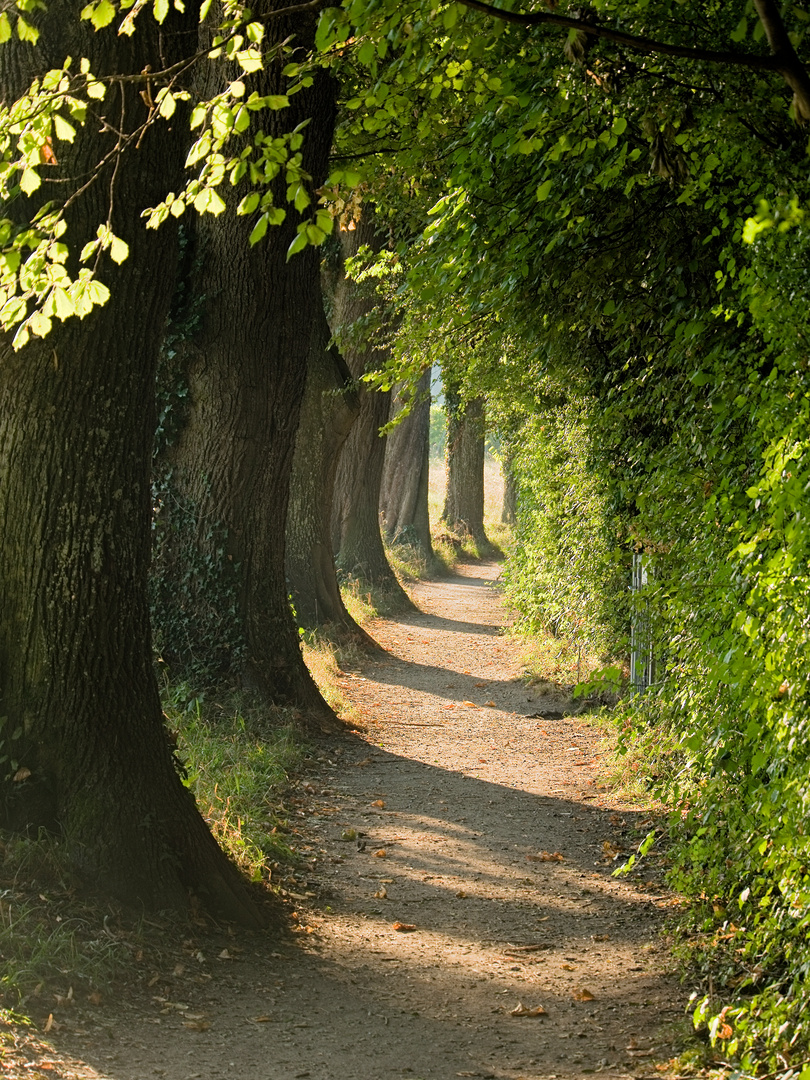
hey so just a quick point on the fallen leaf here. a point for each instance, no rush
(641, 1053)
(381, 854)
(522, 1010)
(583, 995)
(600, 937)
(403, 927)
(50, 1023)
(490, 705)
(21, 774)
(262, 1019)
(547, 856)
(610, 849)
(361, 764)
(153, 980)
(348, 834)
(448, 706)
(461, 895)
(380, 803)
(481, 685)
(196, 1025)
(381, 894)
(483, 761)
(225, 955)
(178, 969)
(470, 704)
(95, 998)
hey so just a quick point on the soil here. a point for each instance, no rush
(458, 857)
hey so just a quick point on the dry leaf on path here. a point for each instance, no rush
(631, 1052)
(470, 704)
(583, 995)
(448, 706)
(403, 927)
(481, 685)
(568, 967)
(522, 1010)
(490, 705)
(600, 937)
(381, 894)
(381, 854)
(380, 803)
(196, 1025)
(547, 856)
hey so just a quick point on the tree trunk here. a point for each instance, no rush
(356, 516)
(78, 691)
(246, 371)
(330, 407)
(464, 501)
(404, 493)
(509, 509)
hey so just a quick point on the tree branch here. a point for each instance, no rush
(648, 46)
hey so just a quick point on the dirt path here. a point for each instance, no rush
(459, 864)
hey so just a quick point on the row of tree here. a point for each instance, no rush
(594, 218)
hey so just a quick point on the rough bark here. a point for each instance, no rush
(464, 501)
(246, 371)
(404, 491)
(355, 518)
(77, 687)
(330, 407)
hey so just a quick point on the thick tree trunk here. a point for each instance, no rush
(356, 517)
(246, 371)
(404, 492)
(330, 407)
(77, 688)
(464, 501)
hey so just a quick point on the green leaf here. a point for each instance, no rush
(100, 14)
(741, 30)
(160, 10)
(298, 244)
(5, 28)
(544, 190)
(619, 125)
(249, 203)
(167, 106)
(62, 304)
(30, 181)
(26, 32)
(302, 199)
(259, 229)
(119, 250)
(64, 130)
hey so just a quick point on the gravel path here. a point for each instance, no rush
(458, 866)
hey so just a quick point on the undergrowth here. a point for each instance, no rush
(59, 944)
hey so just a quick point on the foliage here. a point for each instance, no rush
(567, 572)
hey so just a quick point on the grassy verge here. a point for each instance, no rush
(58, 944)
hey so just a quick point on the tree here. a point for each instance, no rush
(464, 501)
(245, 368)
(82, 718)
(406, 470)
(331, 406)
(356, 516)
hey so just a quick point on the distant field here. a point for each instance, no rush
(493, 490)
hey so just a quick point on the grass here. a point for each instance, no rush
(56, 943)
(238, 759)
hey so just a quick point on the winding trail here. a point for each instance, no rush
(459, 815)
